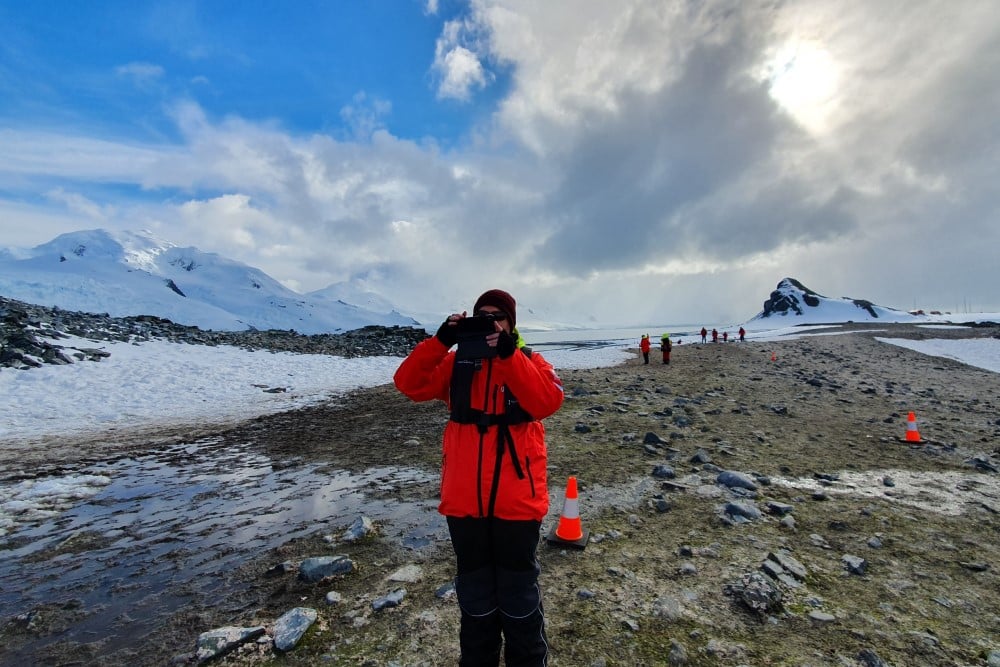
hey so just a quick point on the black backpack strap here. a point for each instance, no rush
(505, 441)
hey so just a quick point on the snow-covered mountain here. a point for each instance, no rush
(794, 303)
(135, 273)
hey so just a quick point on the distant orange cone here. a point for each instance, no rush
(570, 532)
(912, 434)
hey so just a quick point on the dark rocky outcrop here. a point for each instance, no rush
(784, 300)
(29, 336)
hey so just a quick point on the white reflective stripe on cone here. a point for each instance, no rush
(571, 509)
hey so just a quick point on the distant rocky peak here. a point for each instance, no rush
(793, 298)
(789, 297)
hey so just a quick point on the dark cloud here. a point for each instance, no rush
(775, 216)
(630, 176)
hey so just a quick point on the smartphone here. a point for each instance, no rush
(471, 335)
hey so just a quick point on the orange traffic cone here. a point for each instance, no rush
(912, 434)
(570, 532)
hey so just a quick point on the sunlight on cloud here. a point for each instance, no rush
(803, 78)
(580, 68)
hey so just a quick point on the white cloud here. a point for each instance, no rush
(78, 204)
(457, 61)
(462, 73)
(365, 115)
(140, 73)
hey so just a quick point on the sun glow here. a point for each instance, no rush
(803, 77)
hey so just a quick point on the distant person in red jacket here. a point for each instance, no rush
(715, 335)
(493, 488)
(704, 335)
(743, 335)
(725, 336)
(644, 346)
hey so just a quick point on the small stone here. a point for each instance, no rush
(701, 456)
(821, 617)
(742, 511)
(735, 479)
(661, 505)
(855, 564)
(779, 509)
(292, 625)
(677, 655)
(688, 568)
(220, 641)
(445, 591)
(661, 471)
(409, 574)
(361, 527)
(975, 567)
(393, 599)
(319, 567)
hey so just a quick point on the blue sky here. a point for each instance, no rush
(113, 67)
(629, 162)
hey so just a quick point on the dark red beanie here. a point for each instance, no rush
(498, 299)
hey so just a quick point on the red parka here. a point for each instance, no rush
(469, 457)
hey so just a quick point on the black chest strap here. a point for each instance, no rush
(462, 412)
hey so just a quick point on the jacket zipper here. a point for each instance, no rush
(531, 478)
(482, 436)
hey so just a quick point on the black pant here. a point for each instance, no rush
(497, 587)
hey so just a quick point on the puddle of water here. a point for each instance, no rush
(153, 534)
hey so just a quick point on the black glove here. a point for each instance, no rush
(447, 333)
(505, 345)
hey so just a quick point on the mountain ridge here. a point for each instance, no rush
(136, 273)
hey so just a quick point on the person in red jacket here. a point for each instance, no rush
(644, 347)
(494, 492)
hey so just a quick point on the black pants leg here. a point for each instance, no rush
(497, 587)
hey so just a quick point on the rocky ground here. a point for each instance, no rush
(853, 547)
